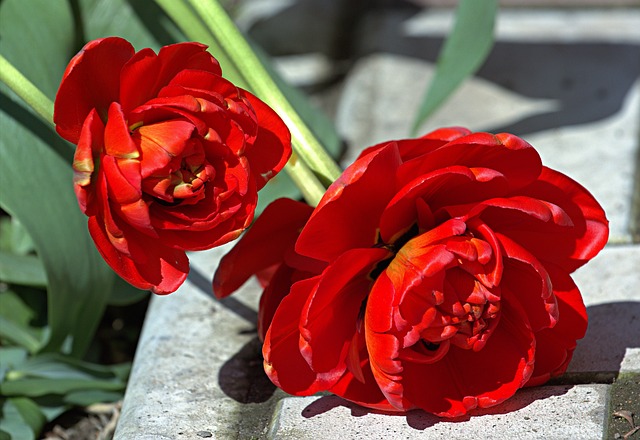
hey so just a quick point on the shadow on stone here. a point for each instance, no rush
(232, 304)
(613, 327)
(420, 420)
(243, 378)
(588, 80)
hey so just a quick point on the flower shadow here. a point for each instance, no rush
(242, 377)
(420, 420)
(613, 328)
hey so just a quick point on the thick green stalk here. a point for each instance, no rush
(231, 40)
(25, 89)
(307, 182)
(187, 20)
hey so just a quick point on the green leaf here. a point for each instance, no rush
(37, 177)
(21, 335)
(14, 237)
(29, 412)
(118, 17)
(42, 387)
(55, 365)
(124, 294)
(26, 270)
(464, 51)
(14, 308)
(11, 358)
(86, 398)
(14, 424)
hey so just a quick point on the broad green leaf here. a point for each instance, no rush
(41, 387)
(124, 293)
(13, 424)
(21, 335)
(14, 237)
(11, 358)
(464, 51)
(22, 269)
(37, 190)
(104, 18)
(29, 412)
(55, 365)
(14, 308)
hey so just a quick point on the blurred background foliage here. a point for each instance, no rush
(63, 312)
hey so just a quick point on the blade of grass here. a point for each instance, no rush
(464, 51)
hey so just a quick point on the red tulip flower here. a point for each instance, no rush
(434, 274)
(170, 155)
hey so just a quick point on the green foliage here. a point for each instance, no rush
(464, 51)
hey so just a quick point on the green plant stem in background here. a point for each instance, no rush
(193, 27)
(305, 180)
(29, 93)
(237, 49)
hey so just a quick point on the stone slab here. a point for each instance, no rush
(610, 286)
(554, 412)
(601, 155)
(572, 91)
(192, 372)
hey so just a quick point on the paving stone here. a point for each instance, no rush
(195, 368)
(610, 288)
(553, 412)
(578, 103)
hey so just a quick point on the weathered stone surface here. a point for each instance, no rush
(553, 412)
(610, 288)
(195, 368)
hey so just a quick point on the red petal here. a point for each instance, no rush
(117, 139)
(363, 392)
(466, 379)
(504, 153)
(590, 226)
(91, 80)
(151, 265)
(362, 192)
(330, 316)
(402, 211)
(145, 74)
(123, 179)
(91, 143)
(272, 147)
(528, 280)
(554, 346)
(161, 142)
(411, 148)
(263, 245)
(283, 362)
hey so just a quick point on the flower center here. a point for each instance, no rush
(449, 288)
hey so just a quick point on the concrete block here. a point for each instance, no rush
(383, 92)
(553, 412)
(610, 285)
(195, 370)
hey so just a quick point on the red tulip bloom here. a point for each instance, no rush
(434, 274)
(170, 155)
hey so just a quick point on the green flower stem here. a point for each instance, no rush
(25, 89)
(237, 49)
(307, 182)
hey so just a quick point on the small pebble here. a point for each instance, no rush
(204, 434)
